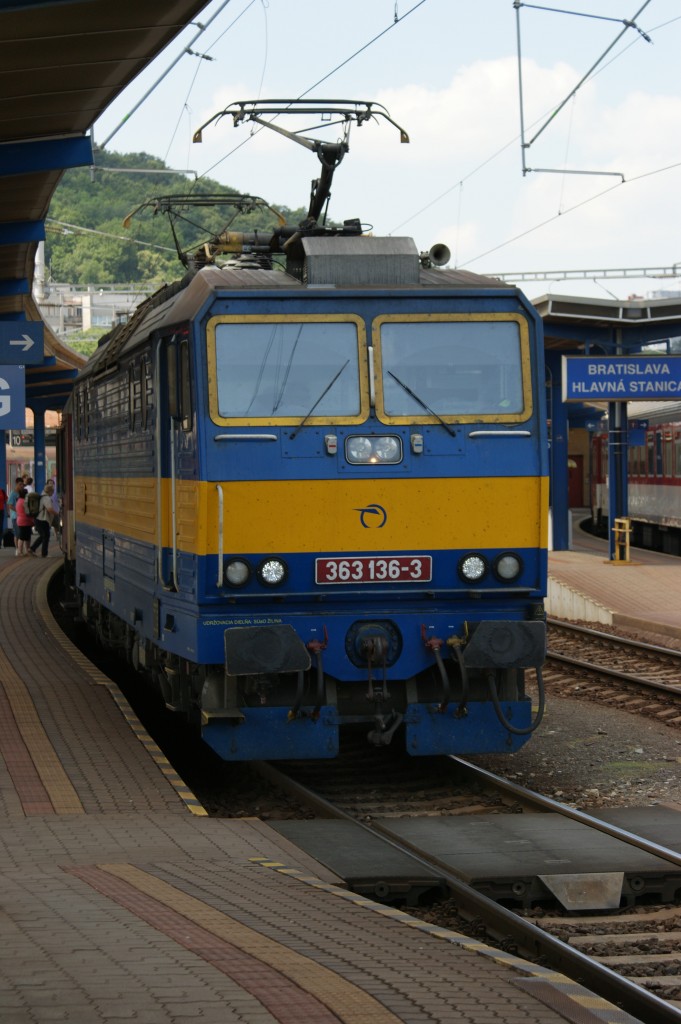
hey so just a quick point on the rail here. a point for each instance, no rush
(501, 922)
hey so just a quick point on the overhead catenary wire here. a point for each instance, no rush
(526, 145)
(343, 63)
(571, 209)
(186, 50)
(64, 228)
(498, 152)
(366, 46)
(198, 68)
(627, 23)
(480, 166)
(582, 14)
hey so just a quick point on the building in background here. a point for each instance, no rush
(70, 308)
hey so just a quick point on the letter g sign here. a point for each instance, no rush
(5, 400)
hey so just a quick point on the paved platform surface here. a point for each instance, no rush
(121, 901)
(644, 593)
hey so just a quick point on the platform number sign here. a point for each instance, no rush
(12, 397)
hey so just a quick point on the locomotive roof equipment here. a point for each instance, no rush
(285, 239)
(330, 154)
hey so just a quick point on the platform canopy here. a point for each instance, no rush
(577, 324)
(61, 64)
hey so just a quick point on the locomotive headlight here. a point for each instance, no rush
(358, 449)
(272, 572)
(472, 568)
(237, 572)
(507, 567)
(363, 451)
(388, 449)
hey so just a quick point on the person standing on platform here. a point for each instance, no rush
(24, 525)
(3, 502)
(28, 486)
(43, 520)
(56, 505)
(12, 508)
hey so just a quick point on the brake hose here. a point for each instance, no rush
(502, 717)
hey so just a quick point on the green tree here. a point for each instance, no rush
(99, 199)
(86, 342)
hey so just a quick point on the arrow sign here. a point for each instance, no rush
(22, 342)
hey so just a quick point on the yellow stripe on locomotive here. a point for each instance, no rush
(309, 516)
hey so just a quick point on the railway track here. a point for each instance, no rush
(626, 957)
(366, 783)
(621, 672)
(366, 786)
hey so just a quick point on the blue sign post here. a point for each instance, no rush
(22, 342)
(12, 397)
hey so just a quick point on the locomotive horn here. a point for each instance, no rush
(439, 254)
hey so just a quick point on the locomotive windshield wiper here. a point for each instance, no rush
(423, 405)
(324, 392)
(287, 371)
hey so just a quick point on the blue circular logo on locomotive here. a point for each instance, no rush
(372, 516)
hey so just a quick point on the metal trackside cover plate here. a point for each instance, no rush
(594, 890)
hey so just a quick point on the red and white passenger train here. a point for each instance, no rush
(654, 475)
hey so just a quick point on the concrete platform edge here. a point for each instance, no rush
(562, 602)
(584, 999)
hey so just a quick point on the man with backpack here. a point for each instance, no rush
(40, 507)
(32, 503)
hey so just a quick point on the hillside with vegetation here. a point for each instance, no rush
(87, 243)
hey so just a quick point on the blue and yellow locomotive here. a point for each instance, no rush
(318, 497)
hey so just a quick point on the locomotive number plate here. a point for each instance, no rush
(395, 569)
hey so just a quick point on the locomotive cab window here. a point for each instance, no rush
(185, 386)
(457, 368)
(286, 369)
(179, 382)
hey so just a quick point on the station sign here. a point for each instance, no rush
(639, 378)
(26, 438)
(12, 397)
(22, 342)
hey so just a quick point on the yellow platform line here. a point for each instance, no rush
(608, 1013)
(350, 1004)
(60, 790)
(191, 802)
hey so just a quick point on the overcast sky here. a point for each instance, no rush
(447, 71)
